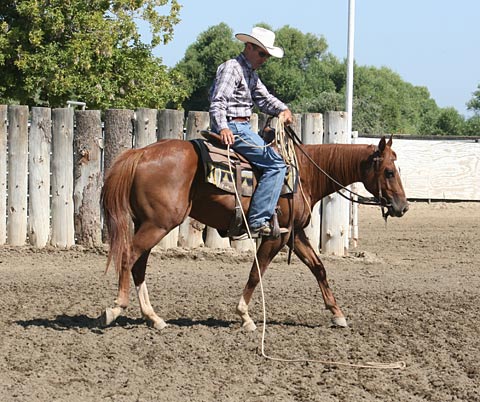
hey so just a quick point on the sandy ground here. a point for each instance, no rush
(410, 291)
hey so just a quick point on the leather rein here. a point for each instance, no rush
(360, 199)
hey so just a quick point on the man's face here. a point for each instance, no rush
(255, 55)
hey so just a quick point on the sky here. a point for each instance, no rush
(430, 43)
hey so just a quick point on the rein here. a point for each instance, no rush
(360, 199)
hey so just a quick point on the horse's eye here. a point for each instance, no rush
(389, 173)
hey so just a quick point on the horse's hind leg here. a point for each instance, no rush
(138, 273)
(305, 252)
(121, 302)
(145, 238)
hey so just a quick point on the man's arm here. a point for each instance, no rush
(269, 104)
(222, 92)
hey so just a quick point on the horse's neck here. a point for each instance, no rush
(340, 161)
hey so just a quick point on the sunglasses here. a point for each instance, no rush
(261, 53)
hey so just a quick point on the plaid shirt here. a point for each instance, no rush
(234, 92)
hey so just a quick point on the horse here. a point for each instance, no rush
(156, 187)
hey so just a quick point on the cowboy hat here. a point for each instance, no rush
(264, 38)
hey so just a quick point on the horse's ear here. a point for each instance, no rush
(390, 140)
(382, 144)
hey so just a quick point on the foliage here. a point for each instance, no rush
(472, 126)
(310, 79)
(52, 51)
(201, 61)
(384, 103)
(449, 122)
(474, 103)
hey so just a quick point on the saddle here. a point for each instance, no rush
(219, 163)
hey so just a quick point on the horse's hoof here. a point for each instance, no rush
(249, 326)
(107, 318)
(160, 324)
(339, 322)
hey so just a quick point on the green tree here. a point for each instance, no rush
(310, 79)
(449, 122)
(201, 60)
(472, 126)
(291, 78)
(474, 103)
(88, 50)
(384, 103)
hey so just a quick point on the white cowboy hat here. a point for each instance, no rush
(264, 38)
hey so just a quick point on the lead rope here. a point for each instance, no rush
(287, 151)
(371, 365)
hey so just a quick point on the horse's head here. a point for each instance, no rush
(381, 178)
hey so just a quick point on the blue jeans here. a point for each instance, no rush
(271, 167)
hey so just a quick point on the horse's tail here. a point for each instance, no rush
(117, 210)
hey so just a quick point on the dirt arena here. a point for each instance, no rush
(410, 292)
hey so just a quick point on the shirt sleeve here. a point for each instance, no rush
(223, 88)
(265, 101)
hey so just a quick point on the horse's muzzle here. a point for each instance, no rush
(397, 209)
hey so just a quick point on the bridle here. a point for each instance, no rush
(381, 201)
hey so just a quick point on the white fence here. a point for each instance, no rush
(437, 169)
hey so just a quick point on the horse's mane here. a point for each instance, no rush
(340, 158)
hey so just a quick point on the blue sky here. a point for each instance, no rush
(431, 43)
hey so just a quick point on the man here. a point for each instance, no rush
(234, 92)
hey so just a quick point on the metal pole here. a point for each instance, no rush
(349, 94)
(350, 58)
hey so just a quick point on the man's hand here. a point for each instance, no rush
(287, 117)
(227, 136)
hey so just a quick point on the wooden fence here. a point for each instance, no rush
(53, 161)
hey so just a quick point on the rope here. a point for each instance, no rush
(363, 200)
(371, 365)
(286, 148)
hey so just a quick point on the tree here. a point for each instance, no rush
(310, 79)
(449, 122)
(474, 103)
(52, 51)
(289, 78)
(472, 126)
(384, 103)
(201, 60)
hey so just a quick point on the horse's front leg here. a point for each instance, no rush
(267, 250)
(306, 253)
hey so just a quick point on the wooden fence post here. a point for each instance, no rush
(191, 231)
(118, 134)
(40, 145)
(88, 176)
(63, 232)
(145, 127)
(17, 175)
(312, 133)
(335, 216)
(170, 124)
(3, 174)
(118, 137)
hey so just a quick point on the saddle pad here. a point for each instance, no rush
(217, 170)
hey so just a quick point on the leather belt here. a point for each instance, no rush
(230, 118)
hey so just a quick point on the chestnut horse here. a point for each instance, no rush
(159, 185)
